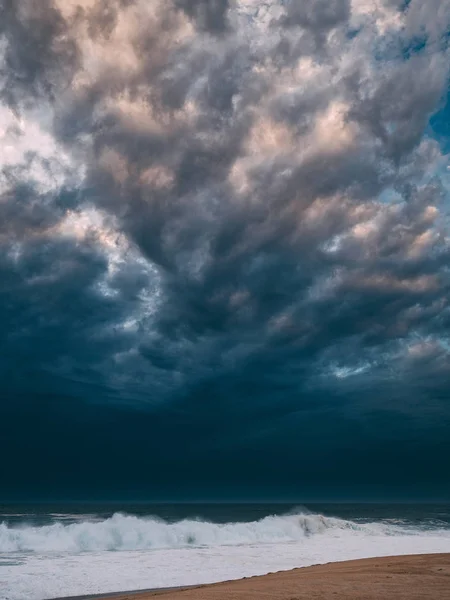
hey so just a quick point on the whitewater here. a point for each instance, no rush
(84, 554)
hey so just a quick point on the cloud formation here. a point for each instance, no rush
(231, 215)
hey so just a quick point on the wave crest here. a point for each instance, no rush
(127, 532)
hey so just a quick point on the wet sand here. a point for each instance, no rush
(417, 577)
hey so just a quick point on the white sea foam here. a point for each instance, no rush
(69, 559)
(126, 532)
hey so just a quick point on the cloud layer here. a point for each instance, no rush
(231, 217)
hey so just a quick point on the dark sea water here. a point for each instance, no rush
(423, 515)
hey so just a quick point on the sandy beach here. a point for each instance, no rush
(416, 577)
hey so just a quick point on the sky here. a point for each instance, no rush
(224, 231)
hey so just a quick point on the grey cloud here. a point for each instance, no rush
(40, 56)
(398, 109)
(318, 16)
(209, 15)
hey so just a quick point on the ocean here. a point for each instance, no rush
(49, 551)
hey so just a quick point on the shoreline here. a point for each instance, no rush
(405, 577)
(133, 593)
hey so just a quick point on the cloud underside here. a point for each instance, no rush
(228, 212)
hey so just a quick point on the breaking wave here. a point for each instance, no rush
(126, 532)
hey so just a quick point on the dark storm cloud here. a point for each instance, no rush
(39, 55)
(318, 16)
(234, 242)
(208, 15)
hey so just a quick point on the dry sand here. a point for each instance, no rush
(419, 577)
